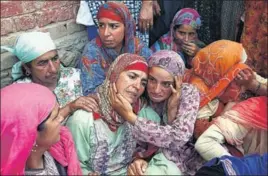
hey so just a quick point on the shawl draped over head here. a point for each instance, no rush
(119, 12)
(96, 58)
(169, 61)
(214, 69)
(28, 47)
(123, 62)
(186, 16)
(250, 113)
(24, 106)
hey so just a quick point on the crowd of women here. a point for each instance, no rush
(180, 107)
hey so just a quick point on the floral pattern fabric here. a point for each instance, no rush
(175, 140)
(99, 148)
(69, 85)
(96, 58)
(254, 37)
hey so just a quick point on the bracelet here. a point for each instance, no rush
(258, 87)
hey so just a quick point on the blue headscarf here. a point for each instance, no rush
(28, 47)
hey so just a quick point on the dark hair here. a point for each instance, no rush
(176, 27)
(24, 70)
(42, 126)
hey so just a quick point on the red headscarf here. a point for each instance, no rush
(23, 108)
(119, 12)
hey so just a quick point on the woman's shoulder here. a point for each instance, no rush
(189, 87)
(148, 113)
(91, 46)
(70, 72)
(80, 118)
(162, 43)
(189, 90)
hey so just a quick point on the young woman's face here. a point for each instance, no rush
(131, 84)
(158, 87)
(111, 33)
(45, 69)
(185, 33)
(51, 132)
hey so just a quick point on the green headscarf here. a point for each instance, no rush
(28, 47)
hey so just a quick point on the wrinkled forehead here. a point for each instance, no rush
(121, 63)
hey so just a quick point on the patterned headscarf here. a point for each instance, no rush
(186, 16)
(172, 63)
(168, 60)
(214, 69)
(28, 47)
(24, 106)
(120, 13)
(122, 63)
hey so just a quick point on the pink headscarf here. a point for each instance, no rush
(23, 108)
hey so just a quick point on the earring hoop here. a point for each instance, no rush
(27, 73)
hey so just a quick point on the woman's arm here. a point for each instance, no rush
(179, 132)
(209, 144)
(169, 136)
(86, 103)
(252, 81)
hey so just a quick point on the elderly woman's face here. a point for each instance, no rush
(131, 84)
(158, 87)
(185, 33)
(51, 132)
(45, 69)
(111, 33)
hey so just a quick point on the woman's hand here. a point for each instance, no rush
(245, 78)
(156, 8)
(190, 48)
(86, 103)
(138, 167)
(146, 16)
(173, 100)
(121, 105)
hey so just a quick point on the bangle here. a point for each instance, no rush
(258, 87)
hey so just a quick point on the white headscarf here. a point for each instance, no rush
(28, 47)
